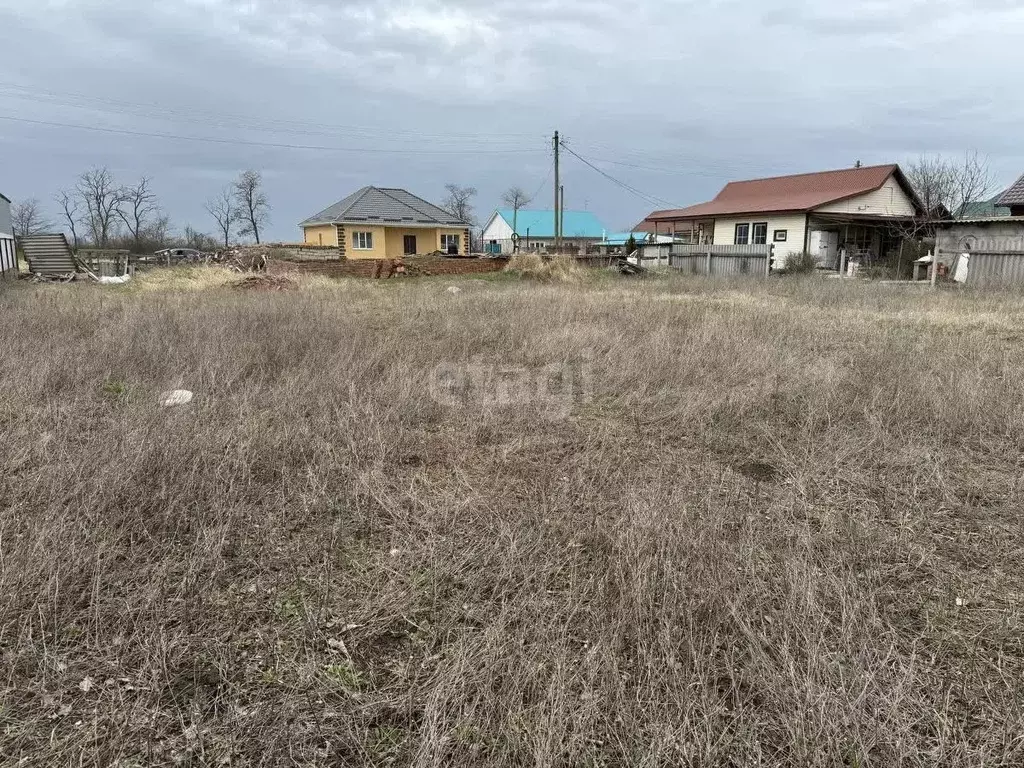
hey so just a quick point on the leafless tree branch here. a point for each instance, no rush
(253, 210)
(101, 198)
(27, 218)
(135, 207)
(71, 211)
(459, 202)
(222, 209)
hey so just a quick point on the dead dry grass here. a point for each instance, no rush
(558, 269)
(782, 528)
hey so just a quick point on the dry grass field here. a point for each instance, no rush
(593, 523)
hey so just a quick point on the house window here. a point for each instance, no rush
(742, 234)
(449, 243)
(362, 241)
(761, 233)
(781, 235)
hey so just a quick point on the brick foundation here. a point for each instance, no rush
(413, 266)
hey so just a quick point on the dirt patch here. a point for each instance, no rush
(265, 283)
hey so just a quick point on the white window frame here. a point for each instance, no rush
(444, 245)
(753, 232)
(362, 241)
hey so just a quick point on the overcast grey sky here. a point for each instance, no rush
(682, 96)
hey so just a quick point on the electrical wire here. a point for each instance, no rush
(269, 144)
(642, 195)
(215, 119)
(551, 169)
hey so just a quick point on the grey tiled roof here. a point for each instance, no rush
(385, 206)
(1014, 195)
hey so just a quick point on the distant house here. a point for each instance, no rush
(379, 222)
(987, 249)
(1013, 198)
(982, 209)
(536, 229)
(857, 210)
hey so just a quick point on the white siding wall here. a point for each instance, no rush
(794, 224)
(5, 218)
(497, 229)
(888, 200)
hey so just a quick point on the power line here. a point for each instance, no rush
(268, 144)
(642, 195)
(545, 181)
(159, 111)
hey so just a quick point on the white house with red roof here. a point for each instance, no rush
(857, 210)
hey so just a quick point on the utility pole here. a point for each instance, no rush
(558, 184)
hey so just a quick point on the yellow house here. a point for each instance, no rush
(381, 223)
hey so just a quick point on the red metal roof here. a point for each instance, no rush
(783, 194)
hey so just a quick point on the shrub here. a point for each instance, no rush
(561, 268)
(800, 263)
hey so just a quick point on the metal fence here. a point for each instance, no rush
(722, 260)
(8, 257)
(995, 268)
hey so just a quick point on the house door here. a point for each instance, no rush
(409, 245)
(824, 246)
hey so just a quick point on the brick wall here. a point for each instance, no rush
(413, 266)
(298, 252)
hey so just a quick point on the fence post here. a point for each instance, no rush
(768, 260)
(708, 262)
(935, 266)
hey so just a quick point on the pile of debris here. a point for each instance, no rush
(263, 282)
(244, 259)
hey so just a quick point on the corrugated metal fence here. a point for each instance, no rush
(8, 257)
(48, 254)
(723, 260)
(995, 268)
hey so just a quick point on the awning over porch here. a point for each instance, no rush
(834, 238)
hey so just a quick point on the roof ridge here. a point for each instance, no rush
(894, 166)
(385, 191)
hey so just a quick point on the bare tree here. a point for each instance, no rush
(27, 219)
(946, 187)
(200, 241)
(516, 198)
(222, 208)
(71, 210)
(136, 205)
(459, 202)
(253, 210)
(101, 198)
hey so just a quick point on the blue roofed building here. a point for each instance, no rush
(536, 229)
